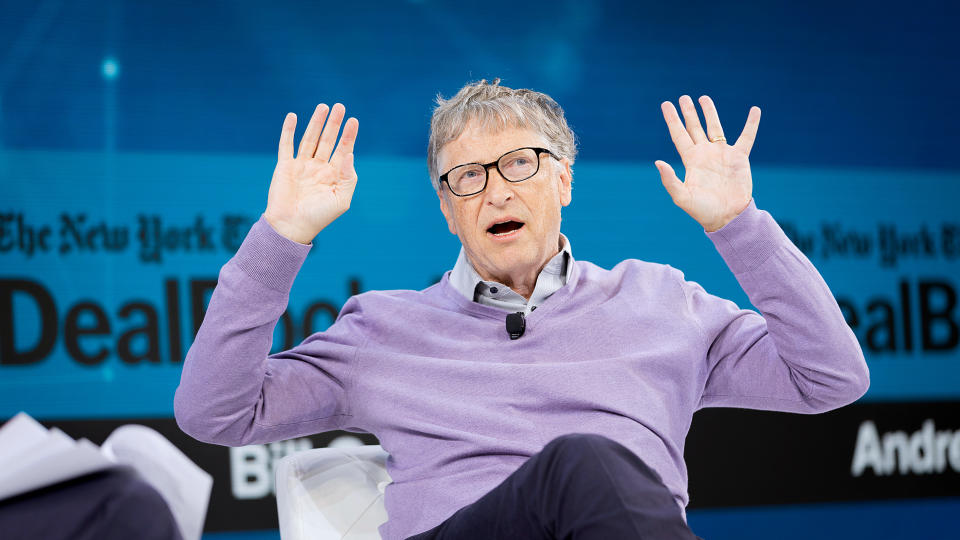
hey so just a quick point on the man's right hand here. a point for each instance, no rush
(311, 190)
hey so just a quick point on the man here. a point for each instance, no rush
(566, 419)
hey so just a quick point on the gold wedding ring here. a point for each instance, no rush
(717, 139)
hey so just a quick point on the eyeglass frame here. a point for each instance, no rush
(486, 169)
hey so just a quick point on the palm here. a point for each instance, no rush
(311, 190)
(718, 178)
(718, 184)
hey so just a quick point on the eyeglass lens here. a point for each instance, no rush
(515, 166)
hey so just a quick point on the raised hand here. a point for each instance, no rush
(314, 188)
(718, 185)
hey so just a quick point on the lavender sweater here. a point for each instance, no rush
(629, 353)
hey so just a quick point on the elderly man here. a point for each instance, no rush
(527, 394)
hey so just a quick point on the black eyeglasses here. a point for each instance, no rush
(514, 166)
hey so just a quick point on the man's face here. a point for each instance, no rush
(534, 202)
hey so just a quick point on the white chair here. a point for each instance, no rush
(332, 493)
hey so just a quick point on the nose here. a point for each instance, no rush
(498, 191)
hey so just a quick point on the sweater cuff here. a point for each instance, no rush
(749, 239)
(269, 257)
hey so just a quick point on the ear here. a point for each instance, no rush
(445, 209)
(566, 181)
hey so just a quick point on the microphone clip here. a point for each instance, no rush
(516, 324)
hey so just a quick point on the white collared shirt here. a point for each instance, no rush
(554, 275)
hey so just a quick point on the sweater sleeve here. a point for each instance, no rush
(800, 355)
(231, 391)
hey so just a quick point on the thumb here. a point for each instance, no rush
(674, 186)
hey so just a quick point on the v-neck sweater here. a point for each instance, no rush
(630, 353)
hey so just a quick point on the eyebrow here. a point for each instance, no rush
(488, 162)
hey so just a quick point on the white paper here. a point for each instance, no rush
(58, 459)
(18, 434)
(33, 457)
(184, 486)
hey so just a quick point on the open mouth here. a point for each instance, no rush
(505, 228)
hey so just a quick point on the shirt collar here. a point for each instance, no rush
(465, 279)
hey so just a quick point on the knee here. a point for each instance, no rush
(582, 452)
(582, 444)
(586, 452)
(132, 505)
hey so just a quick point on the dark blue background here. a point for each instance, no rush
(859, 83)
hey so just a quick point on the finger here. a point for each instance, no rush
(692, 120)
(745, 141)
(329, 135)
(345, 146)
(285, 151)
(346, 167)
(681, 139)
(714, 129)
(308, 144)
(674, 186)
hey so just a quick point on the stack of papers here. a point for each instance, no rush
(32, 457)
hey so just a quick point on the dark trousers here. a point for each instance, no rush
(114, 504)
(580, 486)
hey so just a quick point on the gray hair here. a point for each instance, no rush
(497, 107)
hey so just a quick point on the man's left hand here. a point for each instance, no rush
(718, 185)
